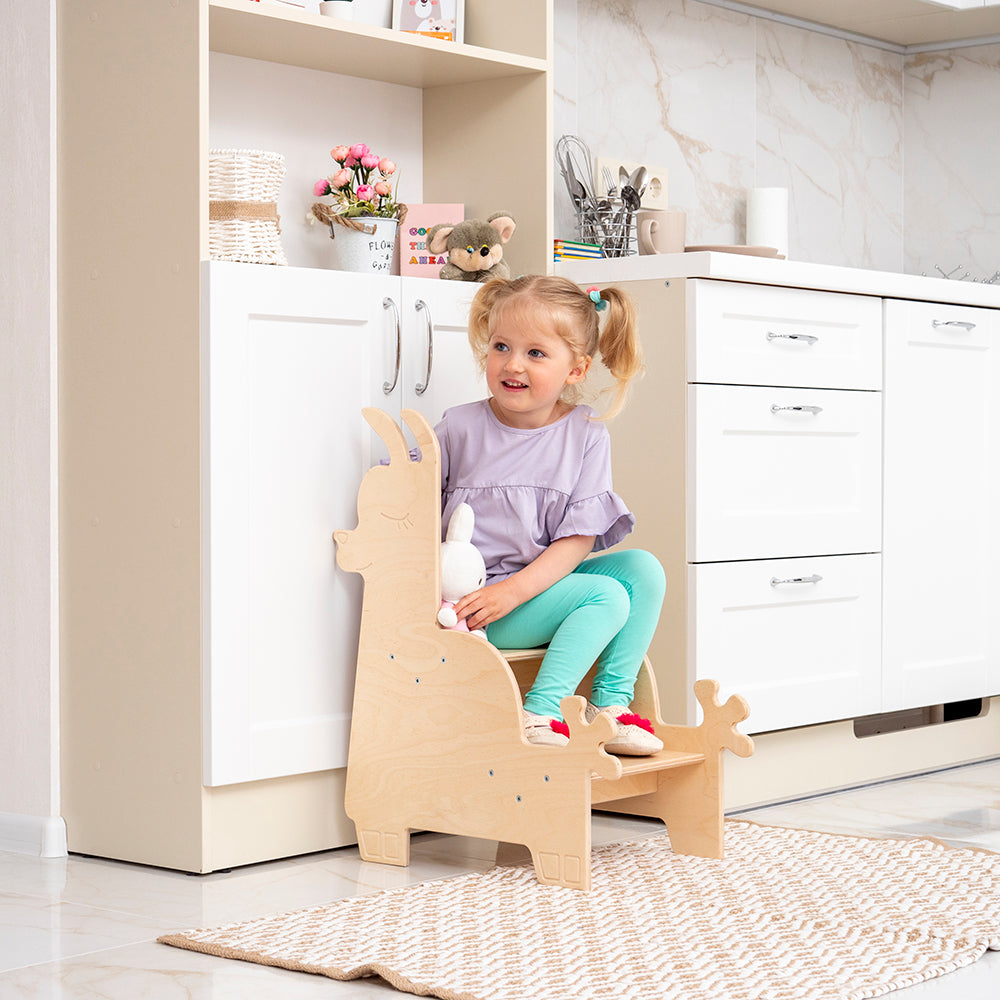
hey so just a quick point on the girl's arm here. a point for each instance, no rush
(498, 599)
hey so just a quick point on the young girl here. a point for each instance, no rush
(536, 470)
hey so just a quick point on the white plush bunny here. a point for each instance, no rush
(462, 568)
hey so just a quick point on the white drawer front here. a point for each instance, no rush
(932, 324)
(782, 472)
(761, 335)
(799, 652)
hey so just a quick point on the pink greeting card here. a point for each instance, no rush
(413, 255)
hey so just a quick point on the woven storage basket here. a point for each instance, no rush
(243, 186)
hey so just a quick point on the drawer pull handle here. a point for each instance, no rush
(387, 303)
(964, 324)
(798, 409)
(815, 578)
(807, 337)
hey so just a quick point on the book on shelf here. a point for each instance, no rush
(576, 244)
(413, 255)
(574, 250)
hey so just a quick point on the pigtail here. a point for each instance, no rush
(619, 345)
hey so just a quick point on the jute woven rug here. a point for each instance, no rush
(788, 915)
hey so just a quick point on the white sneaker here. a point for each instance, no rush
(635, 736)
(543, 730)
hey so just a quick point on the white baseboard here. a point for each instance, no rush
(39, 836)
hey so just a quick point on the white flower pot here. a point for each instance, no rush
(344, 9)
(368, 250)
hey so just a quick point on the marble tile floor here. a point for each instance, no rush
(80, 928)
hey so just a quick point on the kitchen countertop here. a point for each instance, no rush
(788, 273)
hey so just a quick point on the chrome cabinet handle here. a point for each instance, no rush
(798, 409)
(964, 324)
(420, 305)
(815, 578)
(388, 303)
(807, 337)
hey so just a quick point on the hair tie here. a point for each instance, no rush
(595, 295)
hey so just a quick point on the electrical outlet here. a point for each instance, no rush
(655, 195)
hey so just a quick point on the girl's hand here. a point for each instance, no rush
(488, 604)
(492, 602)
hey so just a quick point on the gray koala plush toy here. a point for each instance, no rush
(474, 248)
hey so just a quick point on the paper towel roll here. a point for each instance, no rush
(767, 218)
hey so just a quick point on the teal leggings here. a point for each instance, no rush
(604, 612)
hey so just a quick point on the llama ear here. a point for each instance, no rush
(423, 433)
(461, 524)
(388, 430)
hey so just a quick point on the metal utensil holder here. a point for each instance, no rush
(610, 226)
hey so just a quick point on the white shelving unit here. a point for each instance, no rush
(135, 105)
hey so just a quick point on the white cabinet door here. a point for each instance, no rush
(290, 357)
(942, 504)
(800, 639)
(777, 472)
(438, 366)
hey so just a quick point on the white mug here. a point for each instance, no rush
(661, 230)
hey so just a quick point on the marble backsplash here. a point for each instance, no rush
(951, 198)
(885, 165)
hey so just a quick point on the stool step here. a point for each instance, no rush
(662, 761)
(639, 775)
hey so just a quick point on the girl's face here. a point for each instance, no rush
(527, 367)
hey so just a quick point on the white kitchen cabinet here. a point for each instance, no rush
(290, 358)
(136, 443)
(777, 472)
(798, 638)
(746, 459)
(811, 656)
(784, 460)
(941, 601)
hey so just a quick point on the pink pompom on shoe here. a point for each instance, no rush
(635, 736)
(631, 719)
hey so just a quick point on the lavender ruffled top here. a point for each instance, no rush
(529, 488)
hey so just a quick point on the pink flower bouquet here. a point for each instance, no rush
(360, 184)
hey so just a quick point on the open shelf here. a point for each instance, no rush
(239, 28)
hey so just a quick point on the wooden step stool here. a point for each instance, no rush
(436, 737)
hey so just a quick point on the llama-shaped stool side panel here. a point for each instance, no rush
(436, 734)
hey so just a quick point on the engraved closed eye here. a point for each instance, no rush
(402, 522)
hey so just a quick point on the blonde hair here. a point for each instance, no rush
(573, 316)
